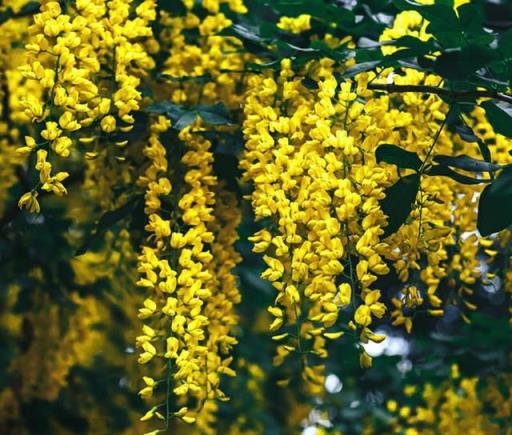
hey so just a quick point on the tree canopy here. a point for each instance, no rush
(255, 217)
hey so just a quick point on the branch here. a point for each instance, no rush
(459, 95)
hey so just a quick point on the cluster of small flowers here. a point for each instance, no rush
(187, 266)
(68, 53)
(44, 367)
(322, 204)
(457, 405)
(186, 269)
(310, 155)
(211, 63)
(11, 32)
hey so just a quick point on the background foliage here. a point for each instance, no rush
(68, 293)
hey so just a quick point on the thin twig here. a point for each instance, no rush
(460, 95)
(434, 142)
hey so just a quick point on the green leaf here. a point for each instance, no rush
(398, 202)
(420, 46)
(6, 15)
(339, 55)
(499, 117)
(505, 42)
(247, 32)
(361, 67)
(164, 107)
(459, 64)
(502, 186)
(176, 7)
(447, 172)
(258, 67)
(495, 205)
(467, 134)
(467, 163)
(215, 114)
(184, 120)
(398, 156)
(472, 22)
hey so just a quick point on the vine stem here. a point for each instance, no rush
(459, 95)
(436, 137)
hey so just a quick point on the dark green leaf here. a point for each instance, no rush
(499, 117)
(246, 32)
(447, 172)
(164, 107)
(338, 55)
(175, 7)
(419, 46)
(309, 83)
(360, 67)
(467, 163)
(505, 42)
(184, 120)
(459, 64)
(467, 134)
(257, 67)
(6, 15)
(398, 156)
(215, 114)
(398, 202)
(495, 208)
(502, 186)
(29, 9)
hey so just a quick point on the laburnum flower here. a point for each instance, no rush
(297, 24)
(147, 391)
(29, 201)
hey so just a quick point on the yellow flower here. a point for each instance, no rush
(148, 354)
(52, 131)
(172, 347)
(148, 310)
(147, 391)
(365, 360)
(29, 201)
(298, 24)
(108, 124)
(344, 293)
(363, 315)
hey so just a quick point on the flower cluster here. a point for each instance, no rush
(457, 405)
(186, 269)
(166, 121)
(311, 156)
(88, 60)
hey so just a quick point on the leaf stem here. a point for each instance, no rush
(436, 137)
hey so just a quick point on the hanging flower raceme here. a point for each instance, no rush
(191, 296)
(88, 60)
(320, 192)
